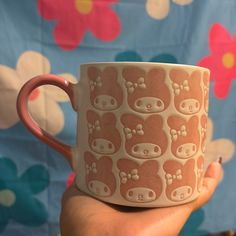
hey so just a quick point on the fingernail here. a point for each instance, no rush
(220, 160)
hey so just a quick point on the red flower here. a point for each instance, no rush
(222, 60)
(70, 179)
(74, 17)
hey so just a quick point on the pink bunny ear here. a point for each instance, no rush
(89, 157)
(108, 119)
(130, 120)
(154, 121)
(109, 74)
(105, 163)
(200, 161)
(175, 121)
(92, 116)
(178, 75)
(93, 72)
(171, 166)
(189, 165)
(203, 120)
(196, 75)
(126, 164)
(195, 80)
(156, 75)
(132, 73)
(206, 78)
(193, 122)
(150, 167)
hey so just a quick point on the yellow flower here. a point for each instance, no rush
(43, 104)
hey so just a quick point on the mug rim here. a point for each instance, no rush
(189, 66)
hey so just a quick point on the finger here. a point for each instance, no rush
(210, 182)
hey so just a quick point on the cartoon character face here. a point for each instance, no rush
(200, 172)
(147, 92)
(203, 132)
(139, 183)
(105, 92)
(104, 138)
(185, 136)
(180, 180)
(206, 78)
(187, 91)
(145, 139)
(99, 177)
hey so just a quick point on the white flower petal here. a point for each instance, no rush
(215, 149)
(219, 148)
(9, 79)
(30, 64)
(48, 114)
(158, 9)
(182, 2)
(56, 93)
(9, 88)
(209, 132)
(8, 113)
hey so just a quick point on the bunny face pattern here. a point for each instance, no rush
(147, 91)
(105, 92)
(99, 177)
(187, 91)
(203, 132)
(180, 180)
(104, 138)
(139, 183)
(145, 139)
(185, 136)
(200, 172)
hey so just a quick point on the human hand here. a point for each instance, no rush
(82, 215)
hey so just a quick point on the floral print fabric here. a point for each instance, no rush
(56, 36)
(95, 16)
(221, 60)
(43, 101)
(18, 194)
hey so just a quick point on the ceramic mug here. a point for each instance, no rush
(141, 130)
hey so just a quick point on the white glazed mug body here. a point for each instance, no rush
(141, 131)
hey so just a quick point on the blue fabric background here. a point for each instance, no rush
(183, 35)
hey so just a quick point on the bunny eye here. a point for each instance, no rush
(105, 189)
(180, 149)
(94, 143)
(136, 148)
(139, 103)
(131, 193)
(156, 149)
(150, 194)
(159, 103)
(110, 146)
(112, 101)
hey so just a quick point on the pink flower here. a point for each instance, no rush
(70, 179)
(74, 17)
(222, 59)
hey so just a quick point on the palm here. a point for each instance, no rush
(84, 215)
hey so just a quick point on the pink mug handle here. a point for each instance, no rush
(25, 117)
